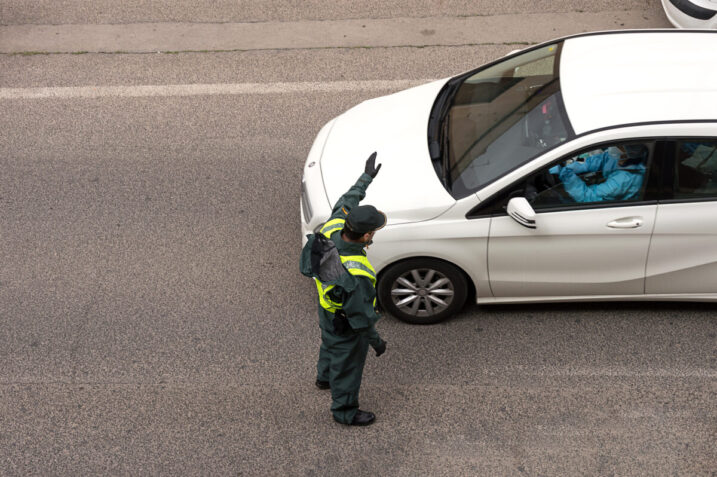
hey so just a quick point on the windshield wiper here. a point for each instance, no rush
(444, 155)
(437, 140)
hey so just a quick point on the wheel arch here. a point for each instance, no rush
(472, 288)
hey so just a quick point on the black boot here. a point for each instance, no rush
(363, 418)
(322, 384)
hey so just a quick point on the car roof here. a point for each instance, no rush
(617, 78)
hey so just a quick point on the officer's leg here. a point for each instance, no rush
(348, 356)
(322, 366)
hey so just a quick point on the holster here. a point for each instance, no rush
(341, 323)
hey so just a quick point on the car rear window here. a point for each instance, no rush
(696, 173)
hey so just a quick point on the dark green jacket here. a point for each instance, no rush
(356, 293)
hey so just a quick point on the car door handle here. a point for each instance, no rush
(626, 223)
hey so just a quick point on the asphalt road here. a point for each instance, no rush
(152, 317)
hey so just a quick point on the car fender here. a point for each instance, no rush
(463, 244)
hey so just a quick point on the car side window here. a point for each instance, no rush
(696, 169)
(611, 173)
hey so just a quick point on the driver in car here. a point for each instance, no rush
(622, 167)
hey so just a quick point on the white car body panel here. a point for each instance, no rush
(313, 191)
(683, 252)
(451, 238)
(396, 127)
(640, 88)
(573, 252)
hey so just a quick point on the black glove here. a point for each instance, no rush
(371, 168)
(341, 323)
(380, 349)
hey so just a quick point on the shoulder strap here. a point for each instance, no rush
(332, 226)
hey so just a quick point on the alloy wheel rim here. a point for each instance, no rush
(422, 292)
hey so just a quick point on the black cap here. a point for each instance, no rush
(365, 218)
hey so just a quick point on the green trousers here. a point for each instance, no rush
(341, 363)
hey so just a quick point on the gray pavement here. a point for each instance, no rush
(517, 29)
(153, 321)
(47, 12)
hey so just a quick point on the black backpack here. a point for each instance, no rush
(320, 259)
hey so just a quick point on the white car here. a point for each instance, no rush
(691, 13)
(491, 187)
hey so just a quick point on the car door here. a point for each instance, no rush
(581, 246)
(683, 252)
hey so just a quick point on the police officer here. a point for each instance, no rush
(347, 313)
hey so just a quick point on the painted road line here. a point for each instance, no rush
(143, 91)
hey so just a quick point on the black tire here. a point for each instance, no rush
(422, 284)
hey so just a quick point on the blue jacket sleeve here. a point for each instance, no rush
(619, 185)
(593, 163)
(589, 164)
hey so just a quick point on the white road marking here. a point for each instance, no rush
(142, 91)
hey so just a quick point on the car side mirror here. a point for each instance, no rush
(520, 210)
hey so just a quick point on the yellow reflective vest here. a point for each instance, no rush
(357, 265)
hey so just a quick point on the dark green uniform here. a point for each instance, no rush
(342, 357)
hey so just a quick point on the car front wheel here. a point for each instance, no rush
(422, 291)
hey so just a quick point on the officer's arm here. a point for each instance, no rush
(374, 339)
(352, 197)
(358, 306)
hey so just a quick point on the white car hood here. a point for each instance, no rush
(407, 188)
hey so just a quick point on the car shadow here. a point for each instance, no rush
(471, 310)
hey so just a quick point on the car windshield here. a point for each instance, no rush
(503, 116)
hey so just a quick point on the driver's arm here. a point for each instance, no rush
(615, 187)
(592, 163)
